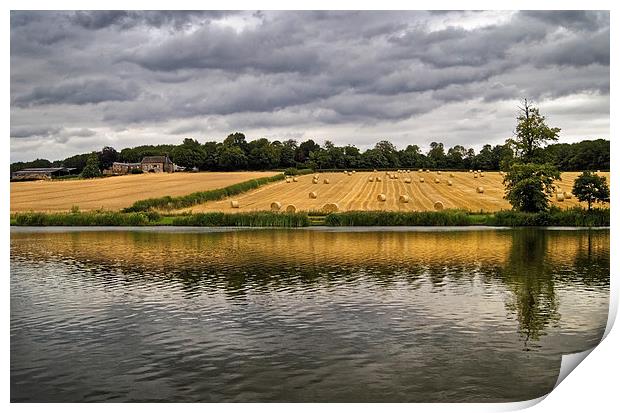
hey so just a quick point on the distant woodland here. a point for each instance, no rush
(236, 153)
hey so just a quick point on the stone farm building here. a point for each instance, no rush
(122, 168)
(41, 173)
(149, 164)
(157, 164)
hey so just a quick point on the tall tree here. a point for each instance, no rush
(590, 188)
(532, 133)
(91, 170)
(529, 186)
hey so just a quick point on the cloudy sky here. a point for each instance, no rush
(84, 80)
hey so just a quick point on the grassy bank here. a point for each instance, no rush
(42, 219)
(246, 219)
(576, 217)
(215, 219)
(573, 218)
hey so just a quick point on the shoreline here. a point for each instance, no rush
(576, 217)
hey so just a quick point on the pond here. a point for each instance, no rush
(301, 315)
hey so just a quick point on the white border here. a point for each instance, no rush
(592, 386)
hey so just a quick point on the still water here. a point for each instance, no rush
(314, 315)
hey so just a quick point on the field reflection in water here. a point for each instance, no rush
(301, 315)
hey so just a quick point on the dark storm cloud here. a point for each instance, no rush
(28, 131)
(78, 93)
(126, 72)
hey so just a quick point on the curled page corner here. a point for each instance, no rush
(569, 362)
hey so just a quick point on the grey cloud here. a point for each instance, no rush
(78, 93)
(33, 131)
(134, 76)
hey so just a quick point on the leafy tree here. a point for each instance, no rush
(287, 153)
(532, 133)
(190, 154)
(389, 152)
(437, 155)
(529, 185)
(237, 139)
(231, 158)
(455, 157)
(591, 188)
(91, 170)
(107, 157)
(263, 155)
(210, 161)
(305, 148)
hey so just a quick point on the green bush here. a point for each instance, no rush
(295, 171)
(574, 217)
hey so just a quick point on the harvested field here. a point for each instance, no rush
(118, 192)
(356, 192)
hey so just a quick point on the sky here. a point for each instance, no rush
(81, 80)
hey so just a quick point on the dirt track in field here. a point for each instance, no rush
(117, 192)
(355, 192)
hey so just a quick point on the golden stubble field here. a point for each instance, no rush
(356, 192)
(117, 192)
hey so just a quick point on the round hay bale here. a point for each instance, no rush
(234, 204)
(480, 190)
(403, 199)
(315, 181)
(288, 180)
(449, 182)
(438, 172)
(378, 179)
(349, 173)
(598, 171)
(470, 171)
(387, 173)
(276, 206)
(560, 196)
(353, 171)
(291, 208)
(438, 205)
(475, 175)
(374, 170)
(479, 171)
(295, 179)
(330, 207)
(428, 170)
(325, 181)
(345, 172)
(481, 174)
(407, 180)
(312, 195)
(395, 176)
(381, 197)
(408, 171)
(568, 195)
(421, 179)
(437, 180)
(315, 177)
(371, 179)
(420, 170)
(451, 175)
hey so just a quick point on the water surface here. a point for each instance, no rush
(315, 315)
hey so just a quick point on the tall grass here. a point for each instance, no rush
(245, 219)
(387, 218)
(195, 198)
(43, 219)
(574, 217)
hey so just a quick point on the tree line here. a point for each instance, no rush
(236, 153)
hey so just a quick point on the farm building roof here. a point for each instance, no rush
(44, 170)
(156, 159)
